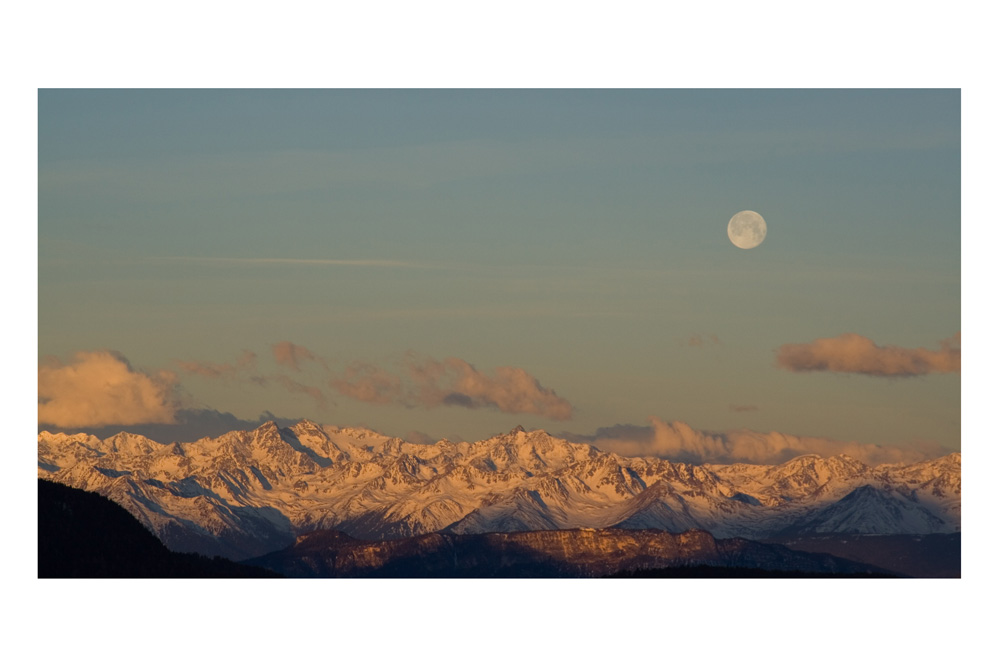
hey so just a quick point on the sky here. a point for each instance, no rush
(436, 45)
(453, 263)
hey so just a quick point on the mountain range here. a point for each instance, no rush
(248, 493)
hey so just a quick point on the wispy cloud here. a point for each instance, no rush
(245, 367)
(99, 388)
(290, 385)
(298, 388)
(288, 354)
(508, 388)
(700, 340)
(853, 353)
(415, 382)
(247, 360)
(426, 382)
(297, 262)
(368, 383)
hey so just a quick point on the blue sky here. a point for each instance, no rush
(578, 236)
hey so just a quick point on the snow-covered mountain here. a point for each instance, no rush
(247, 493)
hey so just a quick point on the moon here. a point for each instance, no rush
(747, 229)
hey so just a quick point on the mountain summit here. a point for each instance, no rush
(247, 493)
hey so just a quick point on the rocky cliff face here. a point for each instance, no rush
(561, 553)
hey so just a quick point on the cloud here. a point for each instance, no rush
(247, 360)
(99, 388)
(430, 383)
(852, 353)
(419, 438)
(700, 340)
(678, 441)
(292, 386)
(368, 383)
(509, 389)
(288, 354)
(415, 382)
(285, 353)
(298, 388)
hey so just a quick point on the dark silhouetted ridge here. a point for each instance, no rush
(935, 555)
(85, 535)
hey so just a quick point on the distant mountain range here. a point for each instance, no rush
(248, 493)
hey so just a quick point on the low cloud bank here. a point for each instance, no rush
(853, 353)
(677, 441)
(99, 388)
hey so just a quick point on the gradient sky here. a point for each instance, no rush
(576, 235)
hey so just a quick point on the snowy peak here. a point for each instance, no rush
(59, 438)
(869, 511)
(126, 445)
(811, 474)
(246, 492)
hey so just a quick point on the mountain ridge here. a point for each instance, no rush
(584, 552)
(84, 535)
(246, 493)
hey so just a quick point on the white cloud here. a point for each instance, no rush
(678, 441)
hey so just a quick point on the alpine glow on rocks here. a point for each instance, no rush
(247, 493)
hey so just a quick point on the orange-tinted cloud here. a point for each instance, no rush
(509, 389)
(246, 360)
(677, 441)
(298, 388)
(288, 354)
(431, 383)
(368, 383)
(700, 340)
(291, 386)
(100, 388)
(284, 353)
(420, 438)
(852, 353)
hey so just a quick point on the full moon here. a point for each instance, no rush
(747, 229)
